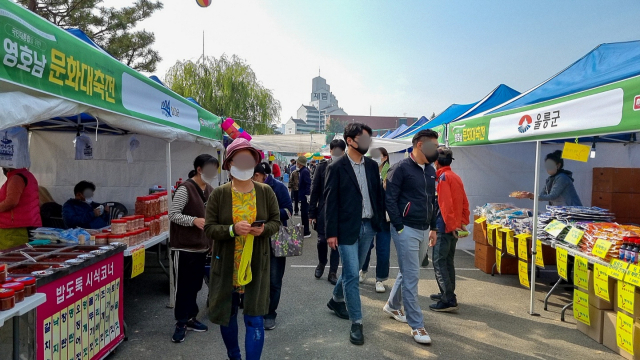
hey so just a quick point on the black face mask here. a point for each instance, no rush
(431, 157)
(360, 149)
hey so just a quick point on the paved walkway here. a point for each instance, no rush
(492, 322)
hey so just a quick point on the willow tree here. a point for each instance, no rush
(227, 87)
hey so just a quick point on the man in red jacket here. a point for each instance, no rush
(452, 220)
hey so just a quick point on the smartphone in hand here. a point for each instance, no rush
(258, 223)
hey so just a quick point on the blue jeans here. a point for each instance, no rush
(353, 256)
(383, 252)
(254, 337)
(443, 253)
(405, 289)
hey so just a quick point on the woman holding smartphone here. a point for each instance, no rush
(241, 217)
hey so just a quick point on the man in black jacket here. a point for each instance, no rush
(412, 205)
(316, 213)
(353, 210)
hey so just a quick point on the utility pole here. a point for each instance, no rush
(202, 47)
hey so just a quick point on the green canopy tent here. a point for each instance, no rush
(598, 95)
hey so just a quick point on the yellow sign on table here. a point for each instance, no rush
(511, 246)
(577, 152)
(137, 256)
(480, 220)
(581, 313)
(499, 238)
(539, 257)
(499, 261)
(624, 332)
(523, 273)
(574, 236)
(617, 269)
(601, 281)
(633, 275)
(580, 298)
(601, 248)
(626, 296)
(581, 273)
(555, 228)
(490, 233)
(522, 246)
(561, 259)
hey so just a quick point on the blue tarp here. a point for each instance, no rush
(605, 64)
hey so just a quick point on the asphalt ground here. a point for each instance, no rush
(492, 321)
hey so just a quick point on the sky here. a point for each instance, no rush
(404, 57)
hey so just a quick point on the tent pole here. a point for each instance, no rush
(534, 238)
(172, 290)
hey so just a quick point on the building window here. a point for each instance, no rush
(324, 96)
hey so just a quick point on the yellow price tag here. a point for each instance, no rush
(617, 269)
(523, 247)
(491, 230)
(601, 281)
(555, 228)
(581, 313)
(539, 257)
(523, 273)
(626, 296)
(499, 261)
(511, 246)
(480, 220)
(137, 256)
(633, 275)
(577, 152)
(581, 273)
(624, 332)
(574, 236)
(499, 238)
(601, 248)
(580, 298)
(562, 257)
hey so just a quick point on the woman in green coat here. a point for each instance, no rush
(241, 217)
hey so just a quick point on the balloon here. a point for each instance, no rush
(204, 3)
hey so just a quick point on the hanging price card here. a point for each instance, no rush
(580, 298)
(499, 238)
(539, 257)
(633, 275)
(522, 247)
(480, 220)
(523, 273)
(581, 313)
(491, 232)
(601, 248)
(499, 261)
(601, 281)
(618, 269)
(511, 247)
(561, 258)
(574, 236)
(577, 152)
(624, 332)
(581, 273)
(626, 296)
(555, 228)
(137, 256)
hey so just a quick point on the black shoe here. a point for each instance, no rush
(320, 270)
(436, 297)
(356, 337)
(333, 278)
(197, 326)
(269, 324)
(443, 307)
(339, 308)
(296, 214)
(179, 334)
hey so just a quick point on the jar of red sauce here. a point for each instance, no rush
(102, 239)
(29, 285)
(118, 226)
(7, 299)
(3, 273)
(18, 288)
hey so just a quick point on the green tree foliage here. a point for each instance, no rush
(227, 87)
(111, 28)
(334, 127)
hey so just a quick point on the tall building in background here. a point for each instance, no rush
(313, 117)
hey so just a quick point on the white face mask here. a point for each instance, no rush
(242, 175)
(89, 200)
(378, 160)
(208, 180)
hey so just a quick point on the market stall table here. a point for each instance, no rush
(156, 240)
(20, 309)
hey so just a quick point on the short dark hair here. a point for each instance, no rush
(337, 143)
(354, 129)
(445, 157)
(204, 159)
(556, 157)
(428, 133)
(82, 186)
(262, 168)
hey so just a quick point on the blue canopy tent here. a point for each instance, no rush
(449, 114)
(400, 129)
(423, 120)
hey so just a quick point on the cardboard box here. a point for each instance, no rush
(594, 331)
(480, 231)
(636, 304)
(616, 180)
(485, 257)
(597, 301)
(609, 336)
(623, 205)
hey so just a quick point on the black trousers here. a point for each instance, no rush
(278, 265)
(294, 198)
(323, 248)
(188, 270)
(304, 214)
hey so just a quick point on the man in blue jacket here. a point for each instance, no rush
(82, 212)
(304, 189)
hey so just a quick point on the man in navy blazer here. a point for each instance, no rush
(353, 213)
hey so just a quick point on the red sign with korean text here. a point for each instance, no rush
(82, 318)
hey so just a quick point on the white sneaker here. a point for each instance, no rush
(363, 276)
(421, 336)
(380, 287)
(396, 314)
